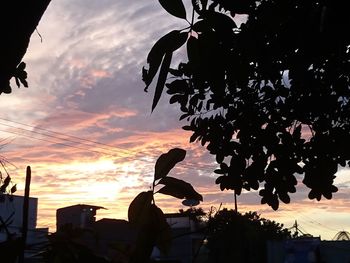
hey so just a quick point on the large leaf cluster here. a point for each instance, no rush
(18, 20)
(269, 98)
(148, 218)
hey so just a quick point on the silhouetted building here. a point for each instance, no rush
(308, 250)
(115, 239)
(106, 238)
(77, 216)
(11, 216)
(186, 239)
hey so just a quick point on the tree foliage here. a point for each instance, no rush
(147, 217)
(235, 237)
(269, 97)
(18, 20)
(7, 186)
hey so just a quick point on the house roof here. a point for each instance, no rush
(175, 215)
(82, 206)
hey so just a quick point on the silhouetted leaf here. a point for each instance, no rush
(190, 202)
(139, 212)
(145, 242)
(161, 79)
(174, 7)
(17, 82)
(13, 189)
(164, 238)
(175, 72)
(183, 116)
(284, 198)
(179, 189)
(199, 5)
(167, 161)
(5, 184)
(166, 44)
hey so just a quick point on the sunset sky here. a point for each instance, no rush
(85, 126)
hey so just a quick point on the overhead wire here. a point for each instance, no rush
(80, 139)
(60, 138)
(113, 151)
(88, 142)
(305, 219)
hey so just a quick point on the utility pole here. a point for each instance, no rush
(25, 214)
(235, 195)
(296, 232)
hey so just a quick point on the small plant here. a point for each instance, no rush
(6, 185)
(147, 217)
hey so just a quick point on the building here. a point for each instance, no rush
(308, 250)
(186, 239)
(116, 238)
(11, 216)
(105, 238)
(77, 216)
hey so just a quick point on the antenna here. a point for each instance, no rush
(342, 235)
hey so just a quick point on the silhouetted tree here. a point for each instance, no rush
(234, 237)
(18, 20)
(269, 97)
(196, 214)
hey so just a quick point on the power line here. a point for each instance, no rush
(84, 141)
(59, 133)
(111, 153)
(80, 140)
(55, 142)
(60, 138)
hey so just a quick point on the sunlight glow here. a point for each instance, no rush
(100, 191)
(91, 167)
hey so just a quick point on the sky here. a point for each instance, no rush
(85, 126)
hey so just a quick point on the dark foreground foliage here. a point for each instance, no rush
(268, 97)
(235, 237)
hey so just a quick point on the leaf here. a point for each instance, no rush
(193, 51)
(17, 82)
(143, 246)
(174, 7)
(297, 132)
(184, 116)
(163, 241)
(21, 66)
(166, 44)
(175, 99)
(179, 189)
(167, 161)
(284, 197)
(199, 5)
(175, 72)
(162, 79)
(13, 189)
(5, 184)
(156, 233)
(139, 212)
(196, 6)
(190, 202)
(24, 82)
